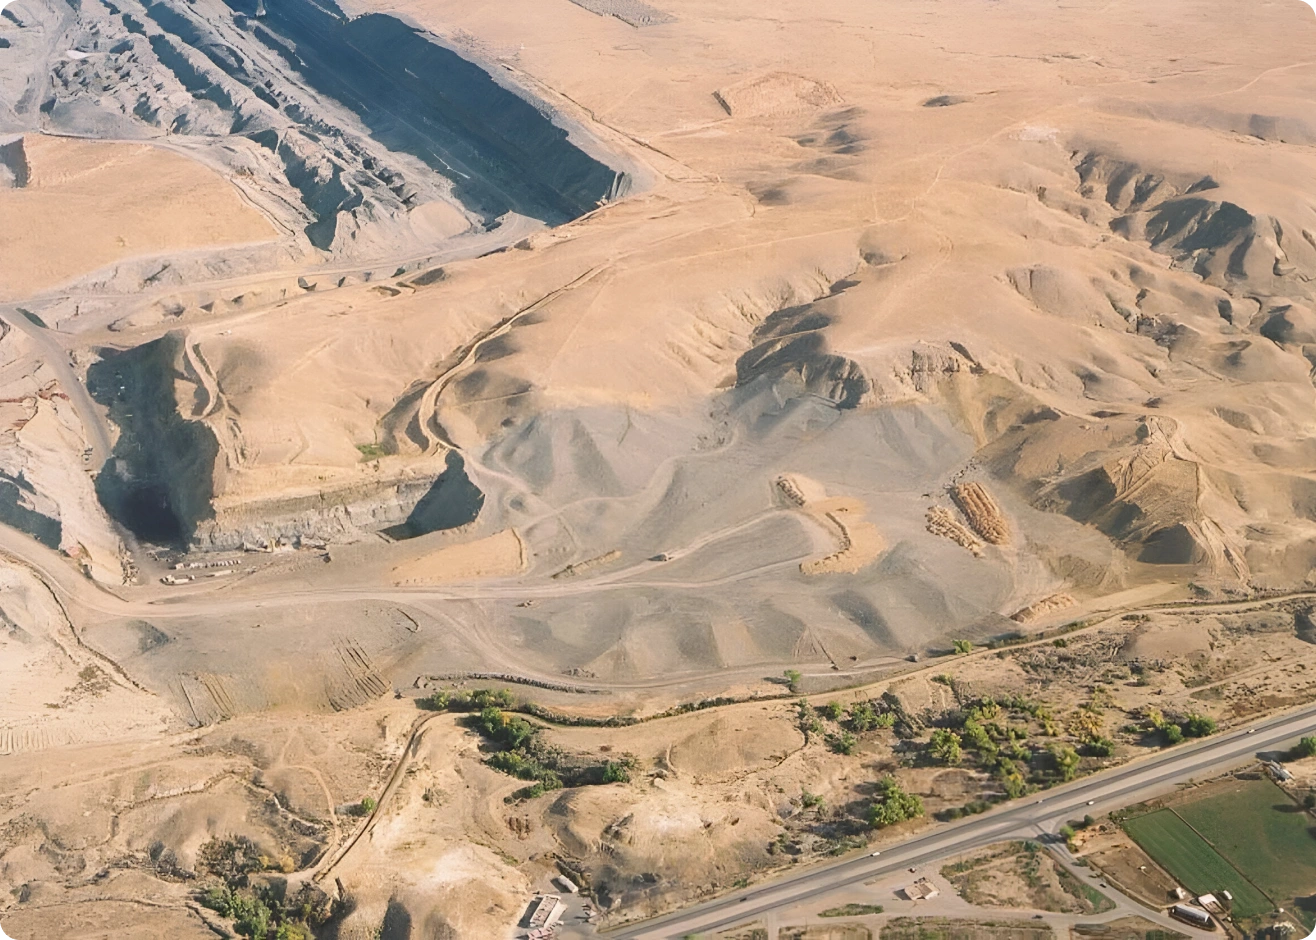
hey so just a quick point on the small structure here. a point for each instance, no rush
(1211, 904)
(1179, 893)
(921, 890)
(566, 884)
(1192, 915)
(544, 911)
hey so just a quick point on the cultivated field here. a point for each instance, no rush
(1258, 827)
(1174, 843)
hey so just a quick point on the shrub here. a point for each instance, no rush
(1099, 747)
(843, 743)
(833, 710)
(1304, 748)
(893, 805)
(963, 646)
(1198, 726)
(863, 717)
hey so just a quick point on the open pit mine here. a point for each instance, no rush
(477, 470)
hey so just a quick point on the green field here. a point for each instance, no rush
(1185, 855)
(1255, 825)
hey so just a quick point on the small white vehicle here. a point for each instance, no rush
(1090, 802)
(875, 854)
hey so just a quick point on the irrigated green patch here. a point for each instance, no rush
(1187, 856)
(1258, 827)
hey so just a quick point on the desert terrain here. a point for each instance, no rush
(450, 447)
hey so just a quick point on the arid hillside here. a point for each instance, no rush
(630, 356)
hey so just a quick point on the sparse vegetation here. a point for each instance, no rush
(852, 910)
(1022, 874)
(520, 749)
(259, 910)
(371, 451)
(962, 646)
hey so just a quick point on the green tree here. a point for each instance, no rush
(1014, 784)
(833, 710)
(1173, 733)
(945, 746)
(368, 805)
(1198, 726)
(892, 804)
(792, 678)
(1305, 748)
(975, 735)
(963, 646)
(616, 772)
(1065, 759)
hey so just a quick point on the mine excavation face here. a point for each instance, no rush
(562, 461)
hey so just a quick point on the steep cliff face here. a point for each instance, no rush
(160, 477)
(413, 504)
(166, 469)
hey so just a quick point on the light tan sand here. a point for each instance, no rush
(88, 204)
(496, 555)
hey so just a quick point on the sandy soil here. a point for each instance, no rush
(1018, 295)
(492, 556)
(83, 206)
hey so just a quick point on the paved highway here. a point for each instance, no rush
(1110, 790)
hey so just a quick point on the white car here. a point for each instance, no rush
(876, 854)
(1090, 802)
